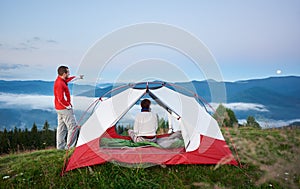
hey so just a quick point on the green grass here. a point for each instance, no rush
(270, 159)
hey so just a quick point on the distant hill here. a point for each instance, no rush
(27, 87)
(296, 123)
(22, 118)
(278, 95)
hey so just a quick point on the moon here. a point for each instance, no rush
(278, 72)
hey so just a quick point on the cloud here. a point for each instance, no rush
(270, 123)
(241, 106)
(51, 41)
(6, 67)
(20, 71)
(44, 102)
(33, 43)
(80, 103)
(36, 38)
(21, 101)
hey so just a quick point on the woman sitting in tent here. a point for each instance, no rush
(145, 124)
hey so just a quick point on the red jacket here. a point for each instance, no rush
(62, 98)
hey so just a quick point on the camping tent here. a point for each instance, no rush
(203, 140)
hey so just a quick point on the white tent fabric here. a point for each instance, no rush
(107, 114)
(194, 120)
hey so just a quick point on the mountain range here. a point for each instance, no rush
(23, 103)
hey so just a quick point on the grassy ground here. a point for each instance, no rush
(270, 159)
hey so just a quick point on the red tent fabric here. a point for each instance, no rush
(211, 151)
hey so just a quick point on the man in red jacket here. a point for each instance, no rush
(67, 126)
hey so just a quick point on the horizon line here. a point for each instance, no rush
(192, 80)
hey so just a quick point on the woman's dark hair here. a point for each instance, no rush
(145, 103)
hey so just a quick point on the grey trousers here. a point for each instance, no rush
(66, 134)
(136, 138)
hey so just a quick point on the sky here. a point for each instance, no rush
(246, 39)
